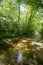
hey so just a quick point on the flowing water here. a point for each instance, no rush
(19, 57)
(26, 51)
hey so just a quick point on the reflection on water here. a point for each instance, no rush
(25, 52)
(19, 57)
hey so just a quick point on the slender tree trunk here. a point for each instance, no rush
(18, 12)
(18, 23)
(30, 27)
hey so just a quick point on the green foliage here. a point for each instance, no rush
(37, 3)
(15, 22)
(41, 32)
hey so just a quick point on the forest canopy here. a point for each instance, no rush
(20, 18)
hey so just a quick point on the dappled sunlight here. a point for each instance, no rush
(37, 43)
(22, 7)
(21, 32)
(22, 48)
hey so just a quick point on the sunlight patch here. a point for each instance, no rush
(22, 7)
